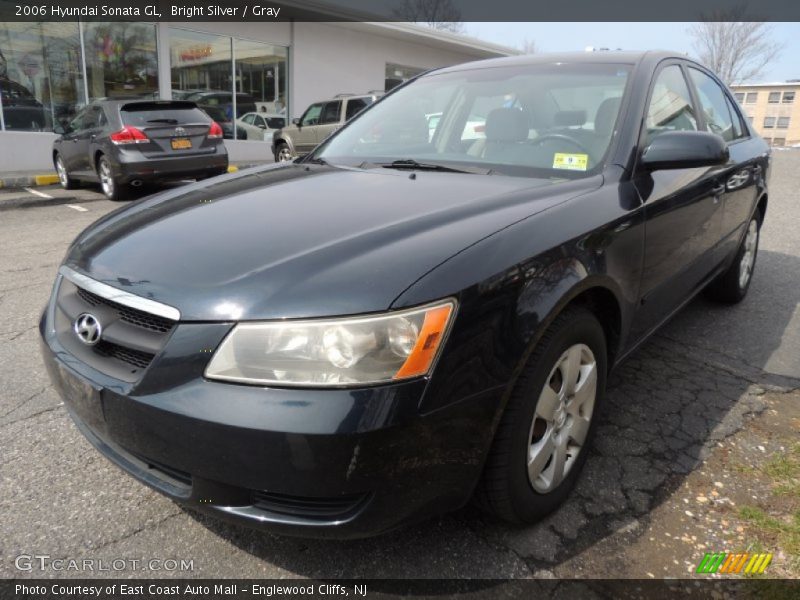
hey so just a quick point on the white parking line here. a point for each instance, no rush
(76, 207)
(38, 193)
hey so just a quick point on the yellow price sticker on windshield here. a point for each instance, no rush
(572, 162)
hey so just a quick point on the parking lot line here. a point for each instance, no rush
(76, 207)
(38, 193)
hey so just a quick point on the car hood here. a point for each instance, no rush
(301, 241)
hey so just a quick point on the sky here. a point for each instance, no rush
(561, 37)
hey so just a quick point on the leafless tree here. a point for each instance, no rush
(438, 14)
(736, 50)
(528, 46)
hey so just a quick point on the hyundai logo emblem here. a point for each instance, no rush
(88, 329)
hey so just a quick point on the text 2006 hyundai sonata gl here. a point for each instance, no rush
(421, 311)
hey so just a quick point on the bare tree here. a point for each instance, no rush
(528, 46)
(737, 51)
(438, 14)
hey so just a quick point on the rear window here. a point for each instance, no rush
(174, 113)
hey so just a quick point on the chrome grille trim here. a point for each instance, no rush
(116, 295)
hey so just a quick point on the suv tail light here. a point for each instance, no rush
(215, 131)
(129, 135)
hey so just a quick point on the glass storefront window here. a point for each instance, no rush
(261, 88)
(41, 78)
(121, 59)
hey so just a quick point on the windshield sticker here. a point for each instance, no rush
(572, 162)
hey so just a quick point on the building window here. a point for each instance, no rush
(779, 142)
(769, 122)
(783, 122)
(774, 97)
(121, 60)
(739, 97)
(397, 74)
(203, 66)
(41, 77)
(788, 97)
(752, 98)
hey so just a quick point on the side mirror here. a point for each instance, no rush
(296, 122)
(59, 129)
(684, 150)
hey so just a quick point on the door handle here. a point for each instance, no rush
(718, 190)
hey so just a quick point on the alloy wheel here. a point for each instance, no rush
(562, 418)
(62, 172)
(749, 254)
(106, 178)
(284, 155)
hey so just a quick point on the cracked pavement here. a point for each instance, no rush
(702, 381)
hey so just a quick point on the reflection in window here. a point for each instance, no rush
(121, 59)
(41, 80)
(397, 74)
(670, 104)
(713, 102)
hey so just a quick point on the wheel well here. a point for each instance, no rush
(602, 302)
(762, 209)
(55, 153)
(97, 156)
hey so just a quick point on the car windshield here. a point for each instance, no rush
(551, 120)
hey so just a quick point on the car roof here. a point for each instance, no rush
(599, 57)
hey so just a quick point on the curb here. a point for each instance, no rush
(52, 179)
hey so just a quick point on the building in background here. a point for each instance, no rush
(48, 71)
(773, 110)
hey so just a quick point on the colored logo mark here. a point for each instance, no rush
(725, 562)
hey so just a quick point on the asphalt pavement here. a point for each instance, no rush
(698, 382)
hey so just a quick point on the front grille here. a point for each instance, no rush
(128, 355)
(309, 507)
(130, 339)
(129, 315)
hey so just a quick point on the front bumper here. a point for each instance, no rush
(317, 463)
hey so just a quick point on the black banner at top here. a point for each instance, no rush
(187, 11)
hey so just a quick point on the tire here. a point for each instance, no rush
(732, 285)
(283, 153)
(109, 181)
(507, 488)
(67, 182)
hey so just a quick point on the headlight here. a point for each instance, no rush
(334, 352)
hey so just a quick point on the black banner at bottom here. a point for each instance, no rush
(439, 589)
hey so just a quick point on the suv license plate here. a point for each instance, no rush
(181, 143)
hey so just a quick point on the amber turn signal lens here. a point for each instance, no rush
(430, 339)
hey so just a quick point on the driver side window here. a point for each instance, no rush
(312, 115)
(671, 107)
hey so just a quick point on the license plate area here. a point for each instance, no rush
(180, 143)
(82, 397)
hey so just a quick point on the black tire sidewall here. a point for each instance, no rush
(583, 328)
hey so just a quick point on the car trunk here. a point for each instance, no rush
(173, 128)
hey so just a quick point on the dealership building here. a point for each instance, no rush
(48, 71)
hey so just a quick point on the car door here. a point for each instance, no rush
(741, 175)
(305, 138)
(91, 125)
(329, 120)
(682, 207)
(71, 145)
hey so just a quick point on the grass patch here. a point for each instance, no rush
(785, 533)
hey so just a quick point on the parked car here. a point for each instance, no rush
(21, 110)
(244, 102)
(260, 126)
(318, 122)
(392, 326)
(219, 116)
(124, 143)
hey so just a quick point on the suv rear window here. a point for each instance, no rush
(172, 113)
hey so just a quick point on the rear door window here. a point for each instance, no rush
(331, 112)
(355, 106)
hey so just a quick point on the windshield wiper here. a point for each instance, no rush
(169, 121)
(410, 163)
(317, 161)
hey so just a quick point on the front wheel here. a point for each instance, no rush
(731, 287)
(67, 182)
(542, 441)
(112, 189)
(283, 153)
